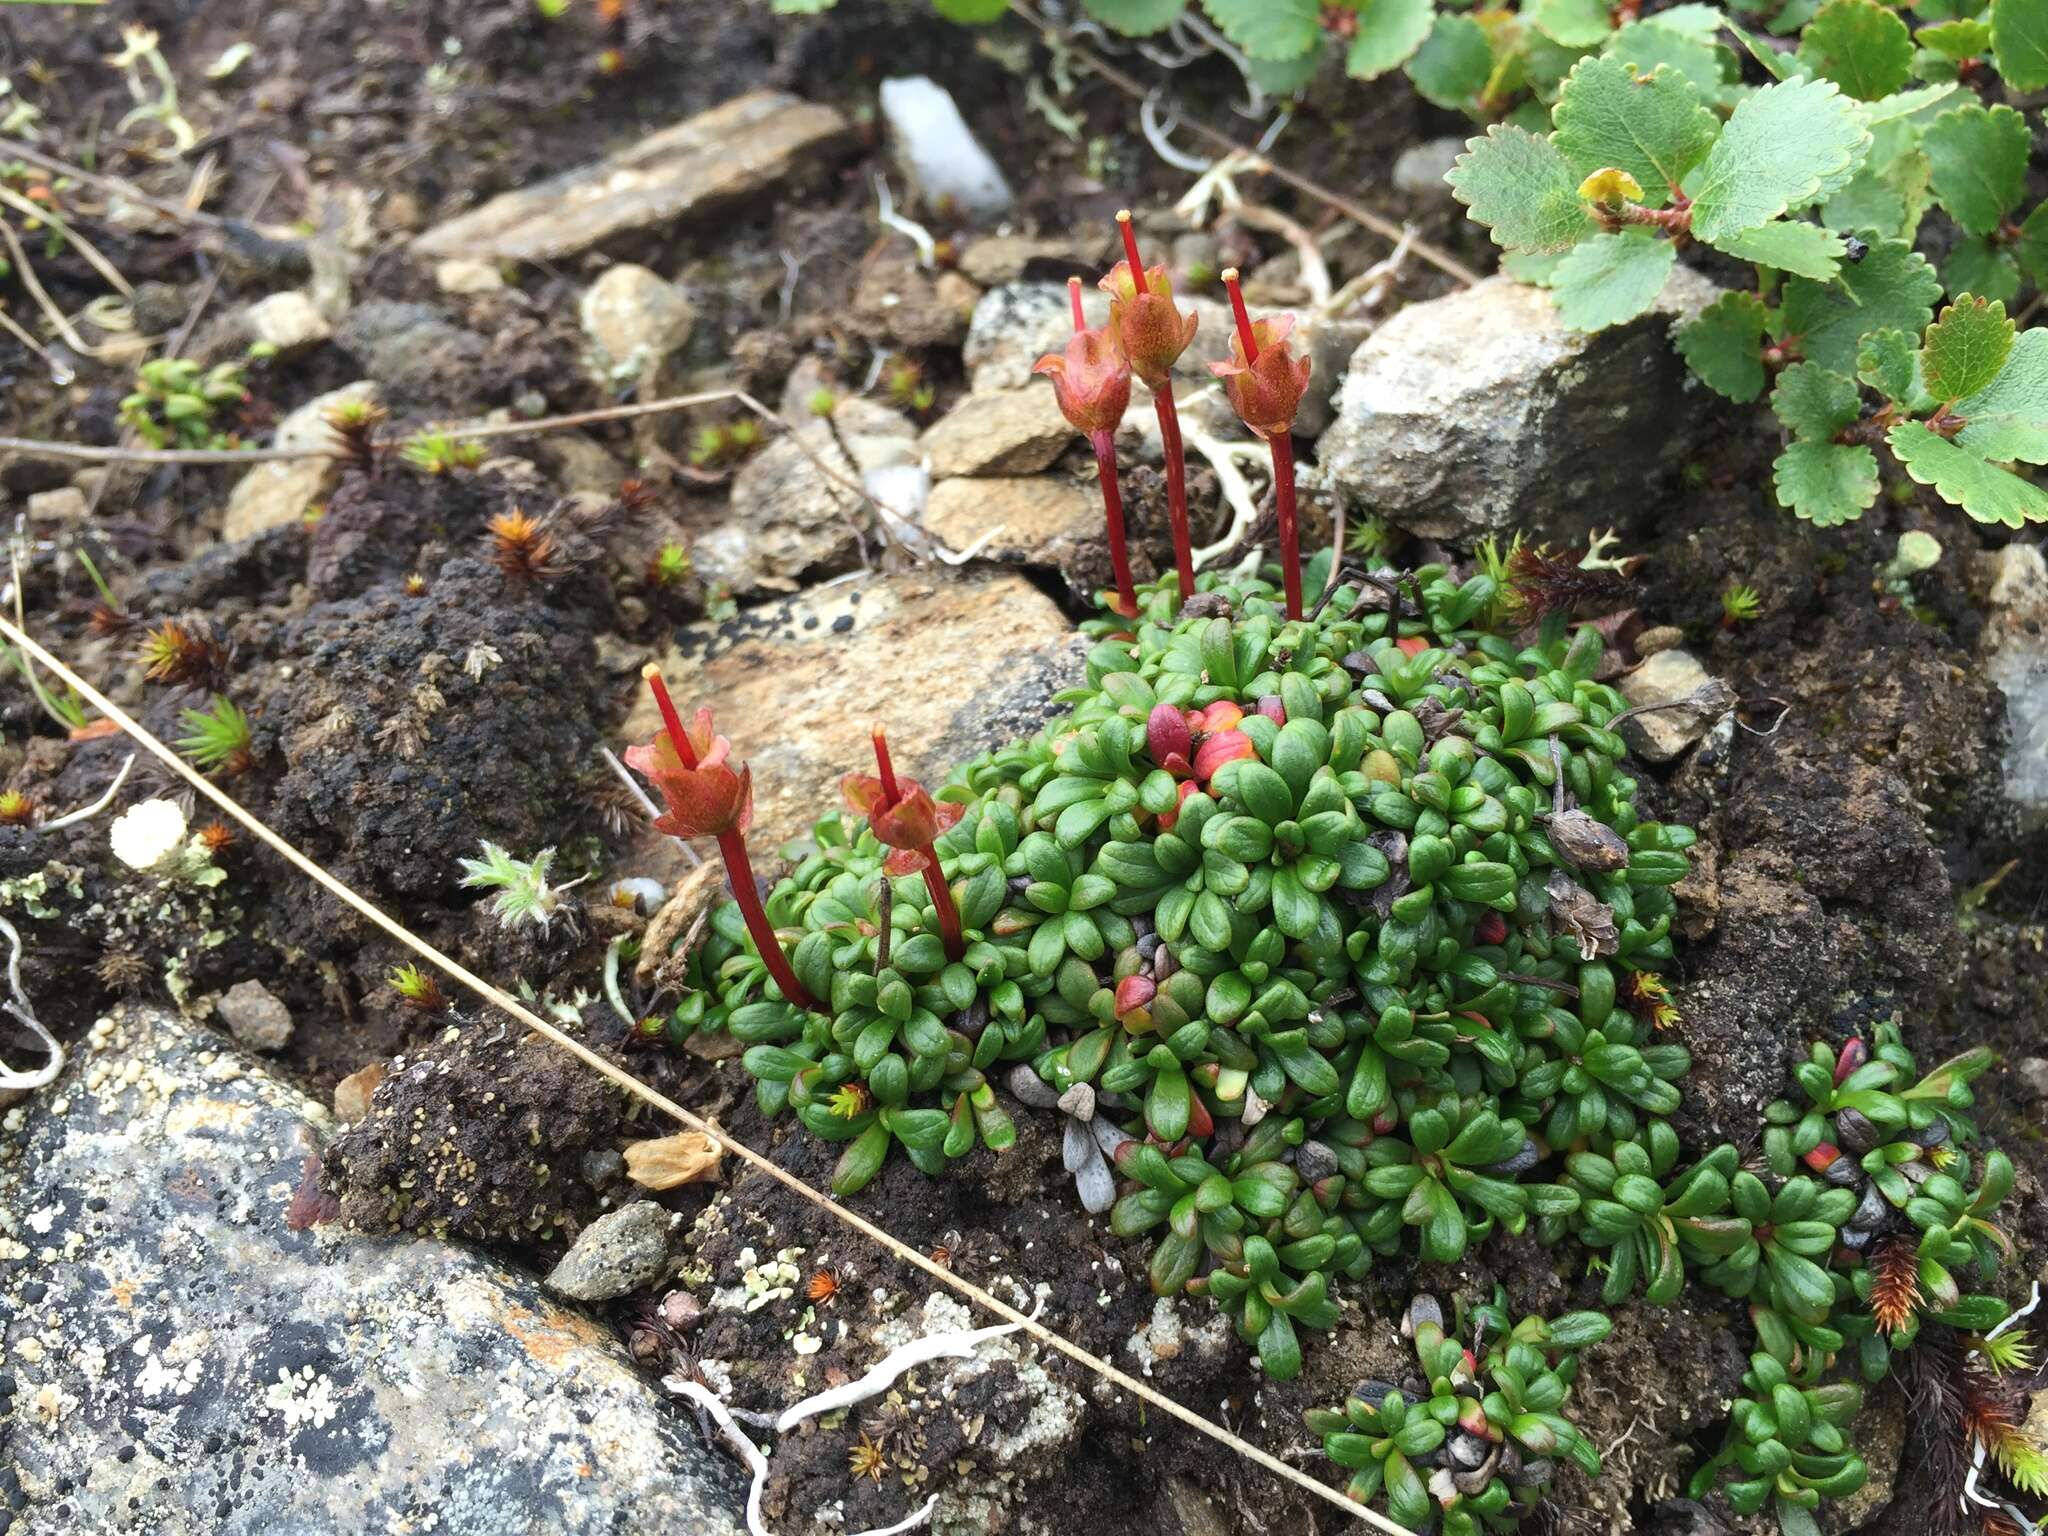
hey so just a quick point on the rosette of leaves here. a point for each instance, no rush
(1471, 1438)
(1779, 1259)
(1597, 1081)
(175, 401)
(1247, 1234)
(1787, 1446)
(1969, 399)
(1649, 1219)
(1438, 1175)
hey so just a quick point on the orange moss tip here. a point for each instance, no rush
(16, 808)
(183, 655)
(217, 837)
(867, 1459)
(823, 1287)
(521, 546)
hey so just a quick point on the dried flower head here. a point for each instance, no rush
(521, 546)
(850, 1101)
(216, 837)
(867, 1459)
(705, 795)
(415, 585)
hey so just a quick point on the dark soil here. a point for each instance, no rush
(395, 729)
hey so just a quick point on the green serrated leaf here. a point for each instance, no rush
(1905, 104)
(1268, 29)
(1989, 494)
(1453, 64)
(1858, 44)
(1979, 164)
(1790, 246)
(1611, 278)
(2019, 41)
(1521, 188)
(1977, 266)
(2007, 420)
(1828, 484)
(1781, 147)
(1814, 402)
(1889, 363)
(1643, 45)
(1967, 38)
(1891, 286)
(2031, 248)
(1135, 18)
(1724, 346)
(1655, 128)
(1888, 193)
(1389, 32)
(1572, 23)
(1777, 65)
(1965, 348)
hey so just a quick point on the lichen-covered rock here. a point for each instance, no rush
(180, 1358)
(615, 1256)
(2014, 646)
(1483, 410)
(951, 662)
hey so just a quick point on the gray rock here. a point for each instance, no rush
(615, 1256)
(2033, 1074)
(288, 321)
(2014, 649)
(791, 519)
(273, 495)
(255, 1017)
(1419, 170)
(939, 152)
(193, 1363)
(691, 168)
(634, 319)
(1481, 411)
(1666, 678)
(66, 504)
(466, 275)
(997, 259)
(1017, 324)
(1000, 432)
(418, 357)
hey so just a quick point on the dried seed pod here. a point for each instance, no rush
(1854, 1133)
(1314, 1162)
(1586, 843)
(1577, 911)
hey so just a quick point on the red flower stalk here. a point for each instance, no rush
(1154, 333)
(1265, 382)
(708, 797)
(1092, 382)
(908, 820)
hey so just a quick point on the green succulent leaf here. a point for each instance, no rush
(1780, 149)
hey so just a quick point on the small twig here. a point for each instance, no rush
(1315, 272)
(1237, 490)
(59, 374)
(173, 211)
(78, 242)
(916, 233)
(87, 812)
(884, 1373)
(25, 269)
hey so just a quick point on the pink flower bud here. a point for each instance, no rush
(1271, 707)
(1218, 748)
(1168, 738)
(1135, 992)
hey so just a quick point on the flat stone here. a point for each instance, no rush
(1665, 678)
(2014, 648)
(634, 319)
(66, 504)
(288, 321)
(692, 168)
(615, 1255)
(952, 662)
(273, 495)
(420, 359)
(1017, 324)
(995, 259)
(790, 519)
(193, 1363)
(2033, 1075)
(464, 275)
(939, 152)
(1419, 170)
(1000, 432)
(255, 1017)
(1482, 411)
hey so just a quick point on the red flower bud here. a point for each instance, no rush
(1223, 715)
(1265, 390)
(1853, 1055)
(1491, 928)
(702, 801)
(1271, 707)
(1169, 739)
(908, 826)
(1091, 379)
(1152, 331)
(1220, 747)
(1171, 818)
(1135, 992)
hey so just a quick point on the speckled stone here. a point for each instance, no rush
(183, 1361)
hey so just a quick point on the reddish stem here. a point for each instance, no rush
(1282, 445)
(1113, 509)
(934, 877)
(1169, 433)
(739, 869)
(1074, 301)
